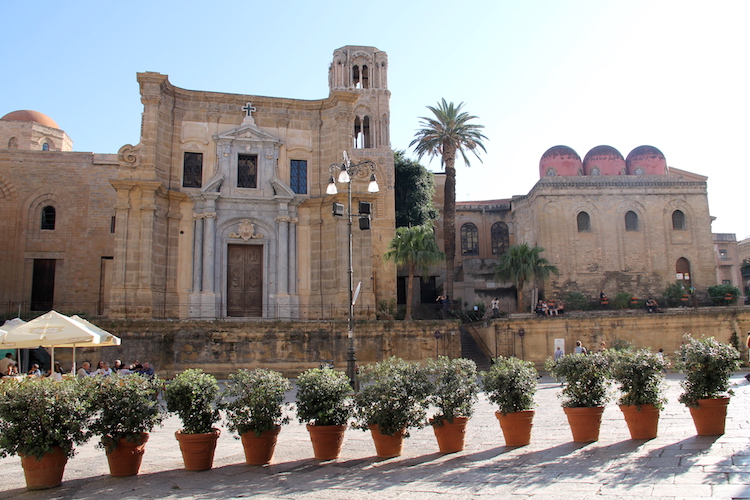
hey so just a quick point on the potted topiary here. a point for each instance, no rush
(42, 421)
(255, 411)
(453, 394)
(510, 383)
(708, 364)
(392, 399)
(194, 396)
(126, 409)
(640, 375)
(324, 403)
(585, 393)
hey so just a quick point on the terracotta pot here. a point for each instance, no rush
(710, 416)
(198, 449)
(450, 436)
(44, 473)
(259, 449)
(326, 440)
(125, 459)
(387, 446)
(643, 420)
(516, 427)
(585, 423)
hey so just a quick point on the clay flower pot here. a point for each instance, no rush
(710, 416)
(584, 423)
(44, 473)
(643, 420)
(450, 435)
(198, 449)
(516, 427)
(259, 449)
(326, 440)
(125, 459)
(387, 446)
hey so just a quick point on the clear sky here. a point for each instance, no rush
(538, 73)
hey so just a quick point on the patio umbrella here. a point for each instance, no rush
(56, 330)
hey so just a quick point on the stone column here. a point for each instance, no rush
(197, 252)
(209, 243)
(282, 257)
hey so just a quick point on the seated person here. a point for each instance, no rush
(103, 369)
(56, 373)
(6, 363)
(35, 371)
(146, 370)
(83, 371)
(560, 307)
(539, 309)
(651, 305)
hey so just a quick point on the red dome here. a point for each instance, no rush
(26, 115)
(646, 160)
(604, 160)
(560, 160)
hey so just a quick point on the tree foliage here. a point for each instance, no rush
(416, 249)
(511, 384)
(447, 132)
(415, 188)
(708, 364)
(719, 293)
(522, 263)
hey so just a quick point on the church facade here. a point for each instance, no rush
(220, 211)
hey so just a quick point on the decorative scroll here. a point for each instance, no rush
(246, 231)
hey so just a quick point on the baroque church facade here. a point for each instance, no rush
(219, 211)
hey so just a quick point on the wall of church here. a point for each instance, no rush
(78, 246)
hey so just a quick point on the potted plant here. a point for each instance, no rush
(585, 393)
(708, 364)
(453, 394)
(640, 375)
(126, 410)
(324, 403)
(510, 383)
(392, 399)
(255, 411)
(42, 421)
(194, 396)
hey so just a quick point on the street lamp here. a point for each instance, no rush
(346, 172)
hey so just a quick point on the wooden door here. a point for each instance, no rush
(245, 280)
(43, 285)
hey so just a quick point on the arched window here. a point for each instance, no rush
(469, 239)
(45, 146)
(584, 222)
(362, 132)
(365, 77)
(678, 220)
(639, 171)
(551, 172)
(500, 238)
(13, 143)
(631, 221)
(355, 77)
(595, 171)
(48, 218)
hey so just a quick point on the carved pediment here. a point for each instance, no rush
(250, 133)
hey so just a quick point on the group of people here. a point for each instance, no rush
(549, 308)
(8, 367)
(103, 369)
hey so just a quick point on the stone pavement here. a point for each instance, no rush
(676, 465)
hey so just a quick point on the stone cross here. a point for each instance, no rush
(248, 108)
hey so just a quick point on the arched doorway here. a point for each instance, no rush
(682, 272)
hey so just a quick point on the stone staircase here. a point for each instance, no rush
(470, 349)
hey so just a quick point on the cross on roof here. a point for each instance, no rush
(248, 108)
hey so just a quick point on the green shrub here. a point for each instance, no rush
(708, 365)
(576, 301)
(194, 397)
(673, 295)
(586, 378)
(255, 401)
(324, 397)
(511, 384)
(621, 301)
(718, 294)
(454, 388)
(640, 375)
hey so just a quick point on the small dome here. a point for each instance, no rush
(603, 160)
(560, 160)
(646, 160)
(26, 115)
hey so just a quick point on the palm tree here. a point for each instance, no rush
(522, 263)
(416, 248)
(443, 135)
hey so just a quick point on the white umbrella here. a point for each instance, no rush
(57, 330)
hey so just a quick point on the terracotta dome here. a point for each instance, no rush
(560, 160)
(26, 115)
(603, 160)
(646, 160)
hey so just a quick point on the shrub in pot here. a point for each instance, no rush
(126, 409)
(587, 379)
(640, 375)
(453, 393)
(324, 403)
(511, 384)
(194, 396)
(42, 421)
(255, 411)
(392, 399)
(708, 365)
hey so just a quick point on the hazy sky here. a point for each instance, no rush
(671, 74)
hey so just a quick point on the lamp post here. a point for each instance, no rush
(346, 172)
